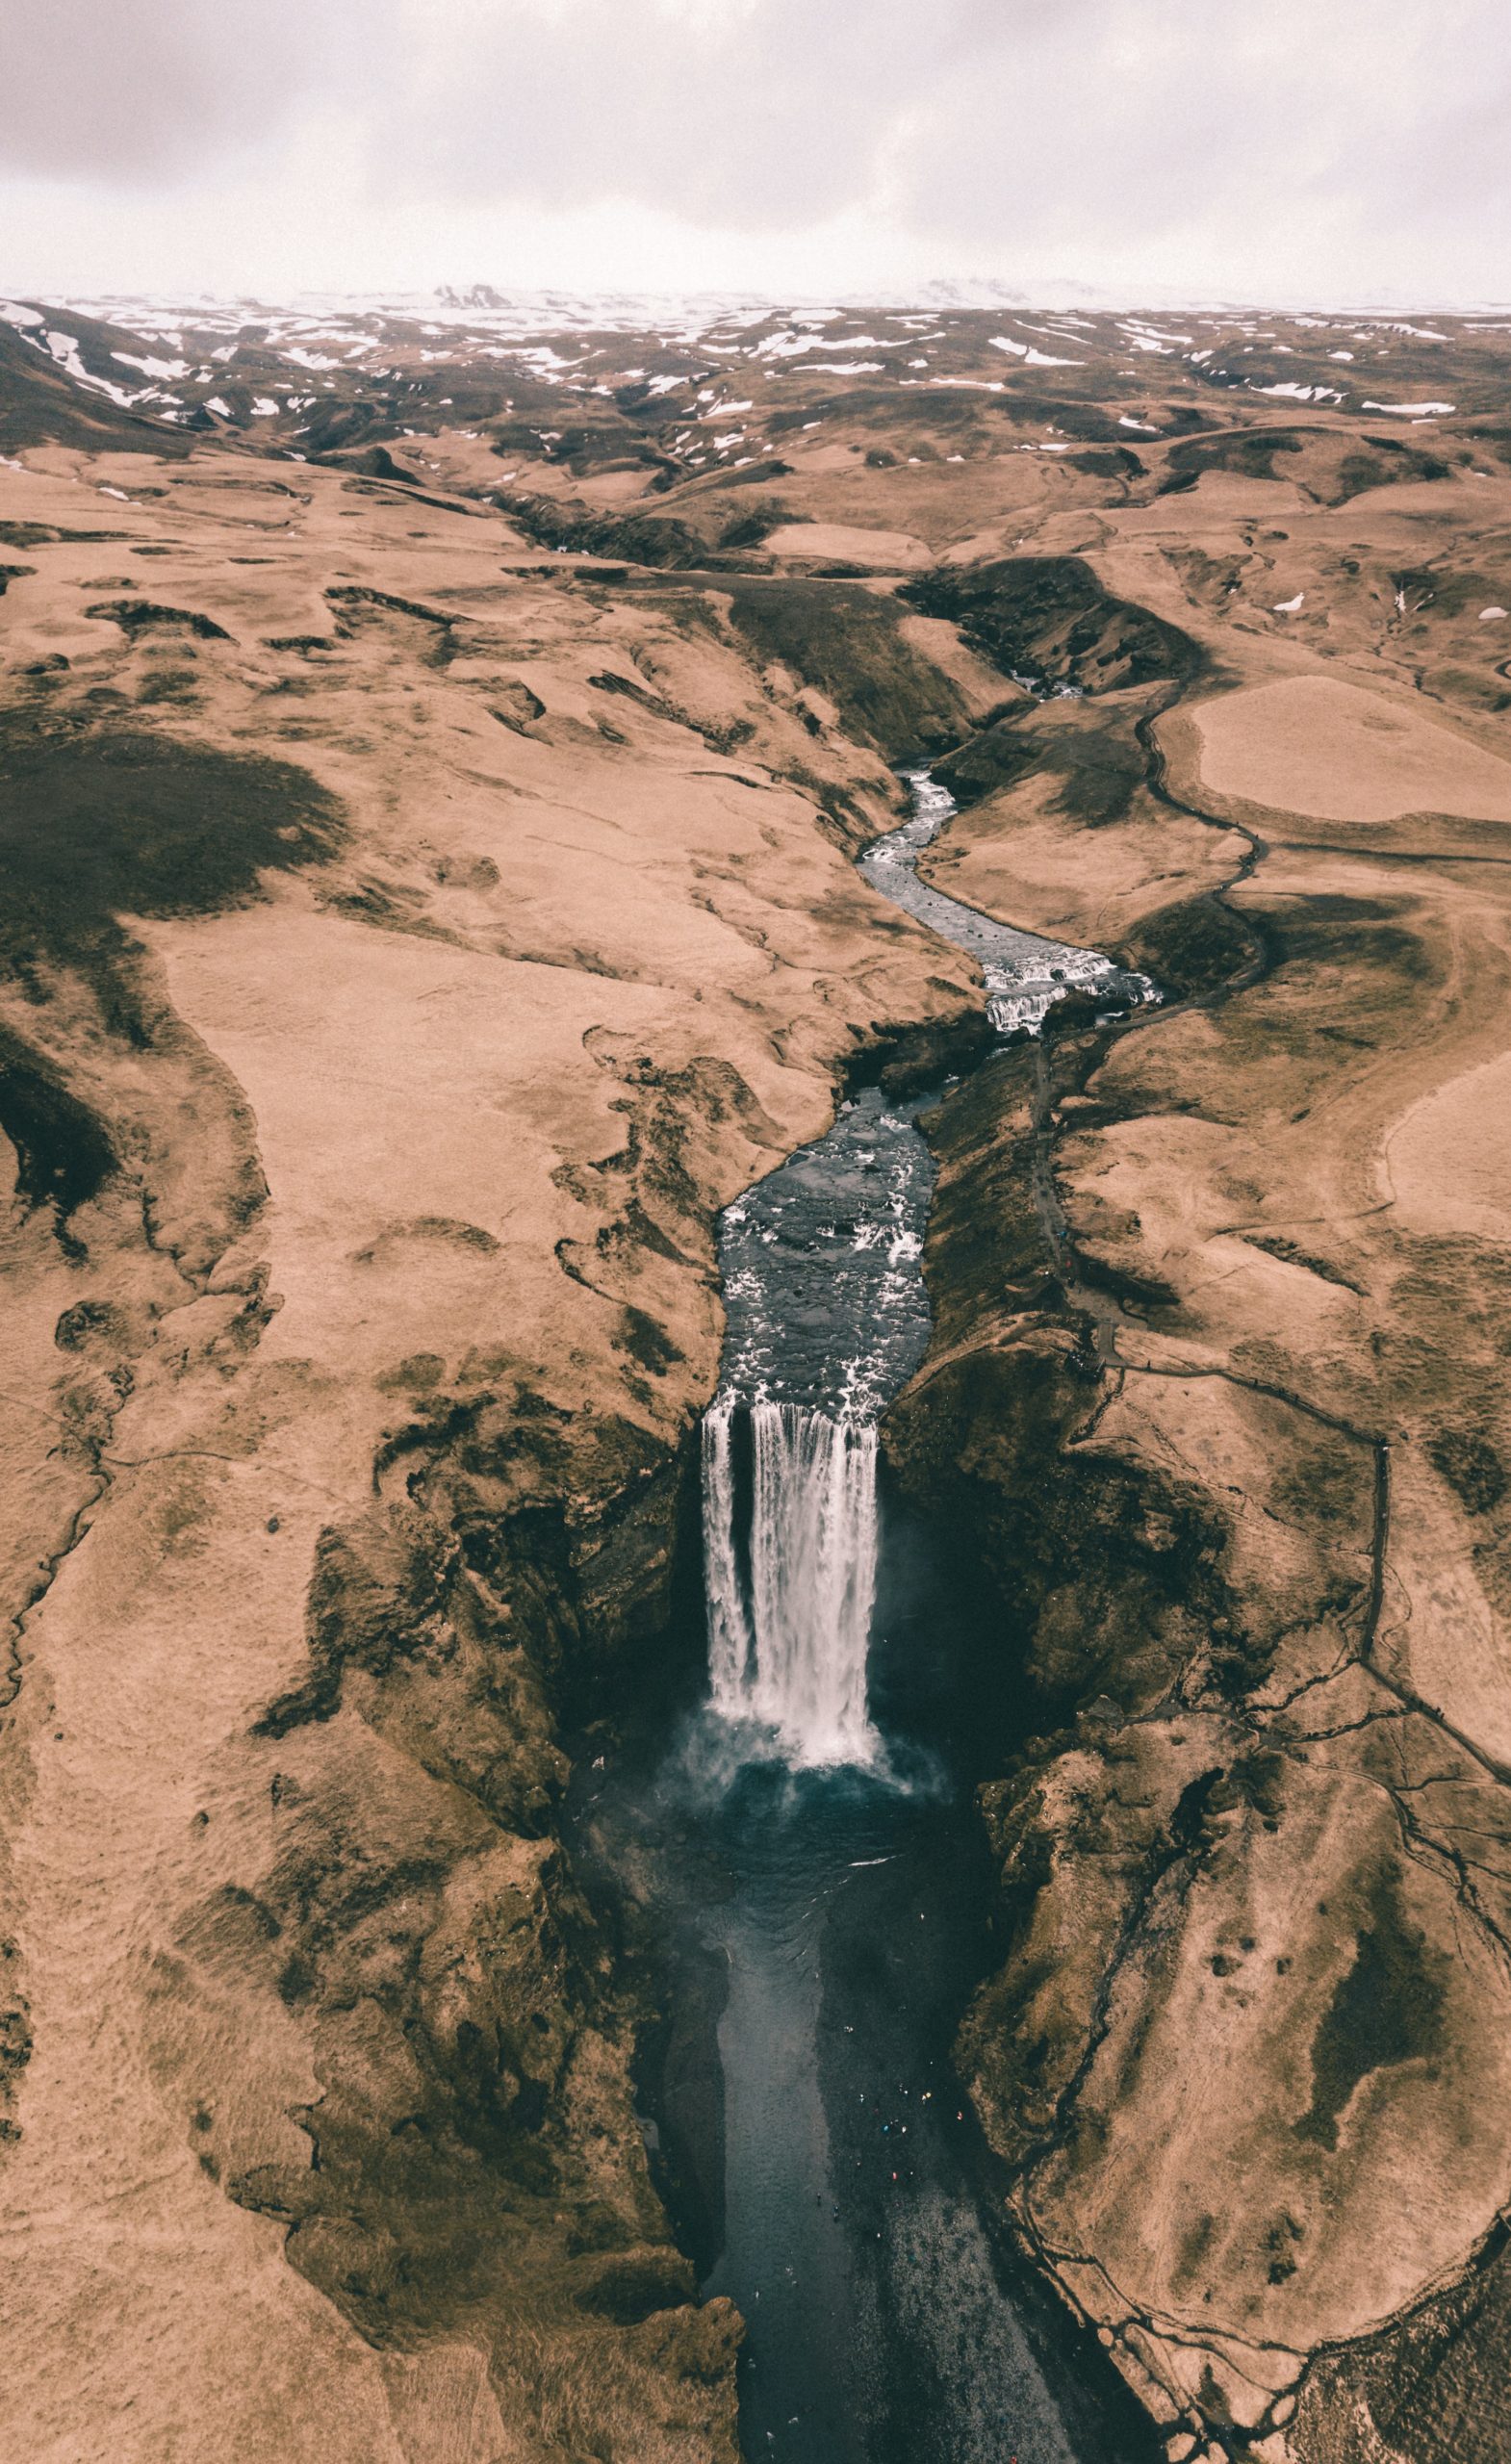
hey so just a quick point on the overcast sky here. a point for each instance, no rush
(1278, 151)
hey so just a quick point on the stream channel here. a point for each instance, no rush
(814, 1840)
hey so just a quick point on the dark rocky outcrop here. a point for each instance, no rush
(469, 2011)
(1052, 617)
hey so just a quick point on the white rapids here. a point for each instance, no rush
(1025, 974)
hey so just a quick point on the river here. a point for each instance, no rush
(820, 1856)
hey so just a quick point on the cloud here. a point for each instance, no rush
(768, 114)
(132, 94)
(1339, 144)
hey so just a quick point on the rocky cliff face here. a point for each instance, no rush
(1214, 1408)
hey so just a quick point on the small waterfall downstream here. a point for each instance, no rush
(1025, 974)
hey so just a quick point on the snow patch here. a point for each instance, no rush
(1292, 391)
(65, 349)
(1031, 357)
(1413, 410)
(172, 368)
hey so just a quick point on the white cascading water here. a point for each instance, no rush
(731, 1645)
(788, 1650)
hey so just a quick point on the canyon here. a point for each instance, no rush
(448, 755)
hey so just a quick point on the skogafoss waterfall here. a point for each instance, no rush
(827, 1319)
(790, 1613)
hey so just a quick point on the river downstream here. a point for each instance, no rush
(816, 1833)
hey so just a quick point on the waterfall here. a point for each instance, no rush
(827, 1319)
(789, 1630)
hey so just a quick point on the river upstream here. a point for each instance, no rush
(828, 1860)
